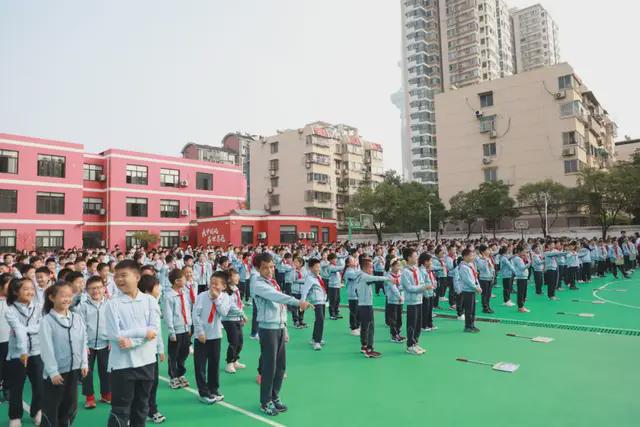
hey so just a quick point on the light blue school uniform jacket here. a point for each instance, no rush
(378, 264)
(506, 268)
(63, 343)
(202, 311)
(172, 312)
(297, 280)
(615, 252)
(426, 278)
(202, 273)
(521, 268)
(93, 313)
(24, 328)
(324, 265)
(551, 259)
(350, 281)
(270, 304)
(334, 275)
(313, 291)
(413, 289)
(448, 262)
(245, 271)
(537, 262)
(392, 289)
(572, 259)
(439, 267)
(132, 318)
(485, 268)
(467, 277)
(289, 272)
(236, 313)
(363, 282)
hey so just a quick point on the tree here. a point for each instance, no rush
(534, 196)
(495, 203)
(145, 238)
(413, 213)
(465, 208)
(380, 202)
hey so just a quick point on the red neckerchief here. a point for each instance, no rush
(444, 265)
(396, 278)
(615, 248)
(432, 277)
(299, 274)
(239, 300)
(192, 294)
(324, 287)
(183, 306)
(524, 259)
(475, 272)
(275, 284)
(414, 270)
(212, 313)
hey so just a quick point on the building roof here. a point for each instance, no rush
(628, 142)
(206, 147)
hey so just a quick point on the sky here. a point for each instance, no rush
(151, 75)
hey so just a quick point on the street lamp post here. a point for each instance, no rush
(429, 206)
(546, 220)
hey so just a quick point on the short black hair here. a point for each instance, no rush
(312, 262)
(465, 252)
(262, 257)
(175, 274)
(407, 253)
(44, 270)
(73, 276)
(128, 264)
(147, 283)
(93, 279)
(424, 257)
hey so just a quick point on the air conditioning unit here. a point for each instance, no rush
(269, 190)
(338, 205)
(103, 243)
(311, 235)
(307, 164)
(302, 235)
(569, 151)
(103, 211)
(262, 236)
(493, 134)
(184, 183)
(561, 95)
(184, 238)
(184, 212)
(273, 172)
(487, 160)
(479, 114)
(102, 178)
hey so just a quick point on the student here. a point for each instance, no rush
(202, 272)
(233, 323)
(378, 269)
(449, 260)
(63, 345)
(5, 279)
(413, 285)
(520, 264)
(485, 268)
(616, 259)
(470, 286)
(314, 290)
(133, 321)
(507, 271)
(439, 266)
(104, 272)
(349, 275)
(76, 279)
(537, 263)
(93, 313)
(585, 255)
(334, 282)
(296, 276)
(23, 316)
(150, 285)
(395, 299)
(429, 279)
(272, 320)
(245, 276)
(176, 312)
(190, 287)
(573, 263)
(551, 255)
(43, 281)
(210, 307)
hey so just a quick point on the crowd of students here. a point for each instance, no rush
(72, 313)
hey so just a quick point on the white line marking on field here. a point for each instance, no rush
(595, 291)
(232, 407)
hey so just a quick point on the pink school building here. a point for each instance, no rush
(54, 195)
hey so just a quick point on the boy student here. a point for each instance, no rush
(439, 266)
(233, 323)
(202, 272)
(296, 277)
(176, 312)
(105, 276)
(537, 262)
(470, 286)
(521, 266)
(43, 281)
(349, 275)
(507, 271)
(245, 276)
(133, 322)
(76, 279)
(314, 290)
(550, 256)
(378, 269)
(429, 278)
(271, 316)
(395, 299)
(413, 285)
(484, 266)
(190, 286)
(333, 271)
(93, 311)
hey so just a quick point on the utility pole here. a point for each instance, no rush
(429, 206)
(546, 221)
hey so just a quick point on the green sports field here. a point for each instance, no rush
(587, 376)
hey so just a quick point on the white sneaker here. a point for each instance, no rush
(174, 383)
(317, 346)
(461, 317)
(239, 365)
(421, 350)
(37, 419)
(355, 332)
(443, 299)
(230, 368)
(426, 329)
(190, 349)
(413, 350)
(509, 304)
(15, 423)
(433, 328)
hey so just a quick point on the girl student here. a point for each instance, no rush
(314, 290)
(63, 345)
(245, 277)
(233, 323)
(521, 266)
(485, 268)
(23, 359)
(92, 311)
(413, 285)
(573, 266)
(5, 279)
(507, 271)
(296, 276)
(150, 285)
(349, 275)
(425, 261)
(176, 310)
(395, 299)
(537, 262)
(334, 283)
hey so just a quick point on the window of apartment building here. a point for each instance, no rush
(318, 196)
(565, 82)
(137, 206)
(319, 212)
(8, 161)
(353, 149)
(246, 234)
(137, 174)
(275, 182)
(204, 181)
(288, 234)
(130, 239)
(274, 165)
(204, 209)
(49, 240)
(274, 200)
(91, 239)
(320, 159)
(53, 166)
(91, 206)
(321, 178)
(169, 177)
(571, 138)
(572, 166)
(8, 201)
(487, 123)
(486, 99)
(489, 150)
(325, 234)
(169, 208)
(315, 237)
(49, 203)
(7, 241)
(91, 172)
(490, 174)
(169, 239)
(273, 147)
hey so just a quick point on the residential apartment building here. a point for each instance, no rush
(209, 153)
(313, 171)
(626, 149)
(239, 143)
(541, 124)
(53, 195)
(446, 45)
(535, 37)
